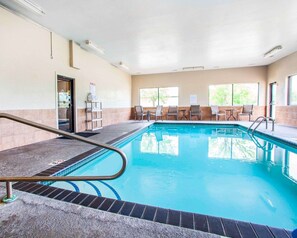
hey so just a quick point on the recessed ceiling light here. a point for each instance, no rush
(194, 68)
(30, 6)
(93, 46)
(121, 64)
(273, 51)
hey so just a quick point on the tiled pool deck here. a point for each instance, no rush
(25, 160)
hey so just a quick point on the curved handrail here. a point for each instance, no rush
(69, 135)
(255, 122)
(263, 119)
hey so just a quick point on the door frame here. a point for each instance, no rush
(74, 114)
(271, 85)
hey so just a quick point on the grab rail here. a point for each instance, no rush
(259, 123)
(9, 197)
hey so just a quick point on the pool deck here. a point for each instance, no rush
(37, 216)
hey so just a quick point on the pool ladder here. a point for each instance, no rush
(266, 119)
(8, 180)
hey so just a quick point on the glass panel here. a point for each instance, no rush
(149, 97)
(293, 90)
(245, 94)
(168, 96)
(64, 105)
(220, 95)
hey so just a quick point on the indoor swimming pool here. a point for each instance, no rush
(216, 170)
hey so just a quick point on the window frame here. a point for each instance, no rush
(290, 79)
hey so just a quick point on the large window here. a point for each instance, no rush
(233, 94)
(151, 97)
(292, 90)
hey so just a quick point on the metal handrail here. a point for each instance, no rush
(8, 180)
(259, 123)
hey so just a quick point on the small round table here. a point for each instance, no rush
(231, 113)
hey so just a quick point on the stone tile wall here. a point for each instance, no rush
(14, 134)
(286, 115)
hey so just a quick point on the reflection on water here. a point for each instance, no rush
(223, 143)
(231, 148)
(158, 143)
(290, 168)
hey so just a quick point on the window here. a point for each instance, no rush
(151, 97)
(220, 95)
(233, 94)
(292, 96)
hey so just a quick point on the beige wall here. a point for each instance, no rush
(279, 72)
(197, 82)
(28, 74)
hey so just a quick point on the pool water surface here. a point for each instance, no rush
(214, 170)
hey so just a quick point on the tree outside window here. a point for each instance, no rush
(245, 94)
(233, 94)
(151, 97)
(220, 95)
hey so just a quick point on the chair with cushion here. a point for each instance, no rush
(172, 111)
(247, 110)
(139, 113)
(158, 113)
(215, 112)
(195, 111)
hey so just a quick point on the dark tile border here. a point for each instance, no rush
(211, 224)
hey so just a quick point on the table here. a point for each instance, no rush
(231, 113)
(183, 114)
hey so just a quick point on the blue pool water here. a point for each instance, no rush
(212, 170)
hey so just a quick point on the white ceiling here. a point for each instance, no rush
(155, 36)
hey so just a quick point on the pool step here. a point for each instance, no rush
(98, 188)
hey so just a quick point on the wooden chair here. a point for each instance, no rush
(172, 111)
(139, 114)
(195, 111)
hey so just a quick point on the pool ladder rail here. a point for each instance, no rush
(8, 180)
(266, 119)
